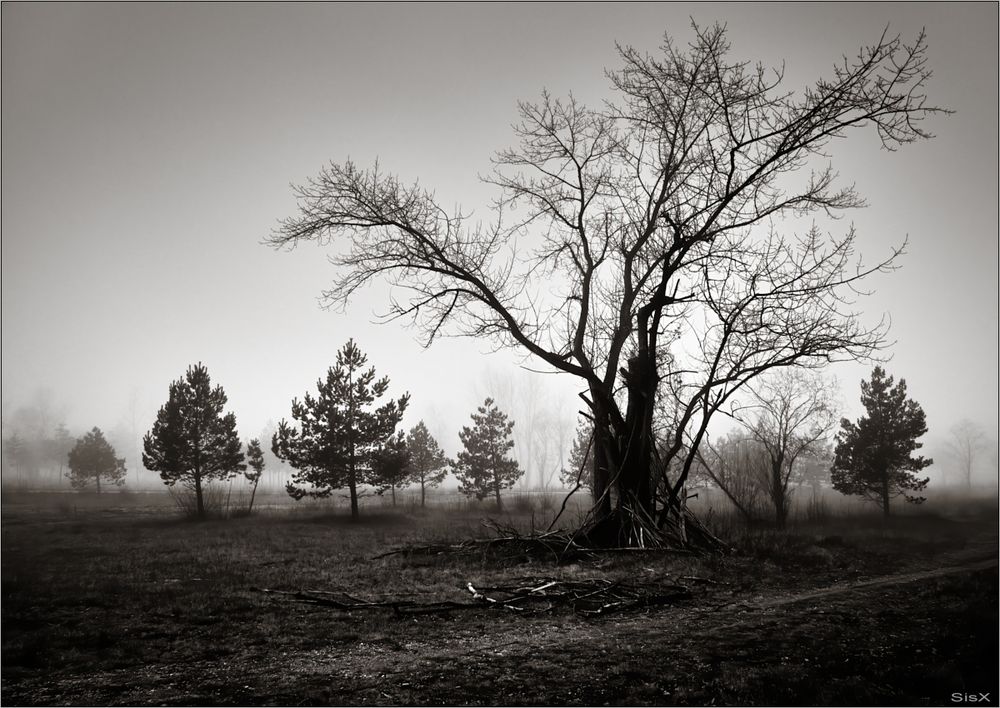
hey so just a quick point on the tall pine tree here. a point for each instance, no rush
(428, 465)
(93, 459)
(873, 456)
(483, 467)
(193, 441)
(339, 430)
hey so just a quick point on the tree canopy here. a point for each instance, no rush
(646, 246)
(193, 441)
(483, 467)
(93, 459)
(428, 465)
(873, 457)
(340, 430)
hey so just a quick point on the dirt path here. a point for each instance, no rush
(881, 581)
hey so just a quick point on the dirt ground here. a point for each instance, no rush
(127, 607)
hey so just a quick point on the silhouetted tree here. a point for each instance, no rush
(255, 462)
(428, 464)
(339, 431)
(789, 414)
(648, 224)
(192, 440)
(873, 456)
(93, 459)
(483, 467)
(391, 465)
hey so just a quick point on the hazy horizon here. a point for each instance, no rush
(149, 148)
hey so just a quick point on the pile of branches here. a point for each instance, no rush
(585, 597)
(508, 543)
(588, 598)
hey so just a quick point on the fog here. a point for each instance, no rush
(148, 150)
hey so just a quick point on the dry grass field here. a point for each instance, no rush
(118, 600)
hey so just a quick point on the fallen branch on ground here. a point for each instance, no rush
(531, 595)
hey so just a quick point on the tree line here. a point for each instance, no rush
(345, 437)
(341, 438)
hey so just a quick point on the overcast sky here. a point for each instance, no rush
(148, 149)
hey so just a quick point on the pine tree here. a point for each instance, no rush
(482, 467)
(872, 458)
(255, 461)
(581, 459)
(339, 431)
(428, 464)
(391, 465)
(91, 459)
(192, 440)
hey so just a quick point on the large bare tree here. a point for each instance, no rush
(635, 245)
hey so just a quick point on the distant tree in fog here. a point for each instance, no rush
(255, 463)
(790, 415)
(967, 442)
(17, 455)
(192, 440)
(339, 430)
(483, 467)
(93, 459)
(59, 446)
(873, 456)
(737, 465)
(428, 465)
(391, 465)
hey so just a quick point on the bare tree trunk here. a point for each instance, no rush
(885, 494)
(393, 487)
(253, 493)
(198, 498)
(779, 496)
(634, 488)
(422, 493)
(623, 462)
(353, 486)
(97, 478)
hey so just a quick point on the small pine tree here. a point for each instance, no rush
(483, 467)
(391, 465)
(338, 432)
(581, 459)
(255, 462)
(192, 440)
(872, 458)
(92, 459)
(428, 464)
